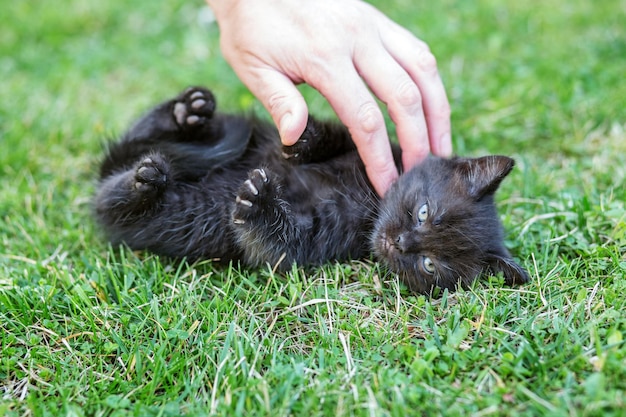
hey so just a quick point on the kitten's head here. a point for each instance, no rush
(438, 225)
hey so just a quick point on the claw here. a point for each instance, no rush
(261, 172)
(246, 203)
(251, 187)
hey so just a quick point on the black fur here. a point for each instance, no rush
(188, 182)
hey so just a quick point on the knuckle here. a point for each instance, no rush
(408, 94)
(369, 118)
(421, 153)
(319, 74)
(277, 102)
(427, 61)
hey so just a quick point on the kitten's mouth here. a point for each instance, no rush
(386, 244)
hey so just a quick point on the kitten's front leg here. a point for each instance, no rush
(319, 142)
(128, 194)
(151, 177)
(265, 228)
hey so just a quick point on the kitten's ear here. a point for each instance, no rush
(483, 175)
(513, 273)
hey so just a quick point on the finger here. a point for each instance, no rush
(282, 100)
(391, 84)
(363, 118)
(418, 61)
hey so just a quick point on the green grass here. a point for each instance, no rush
(86, 329)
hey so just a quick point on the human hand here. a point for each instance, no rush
(344, 49)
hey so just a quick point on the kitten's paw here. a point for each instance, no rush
(151, 174)
(253, 197)
(294, 153)
(300, 151)
(194, 107)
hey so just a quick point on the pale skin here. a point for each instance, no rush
(350, 52)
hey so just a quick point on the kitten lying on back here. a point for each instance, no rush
(187, 182)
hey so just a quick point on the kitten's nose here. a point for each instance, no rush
(408, 242)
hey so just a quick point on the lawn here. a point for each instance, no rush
(89, 329)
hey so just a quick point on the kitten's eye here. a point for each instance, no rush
(422, 213)
(429, 265)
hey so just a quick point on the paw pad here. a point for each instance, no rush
(193, 107)
(150, 173)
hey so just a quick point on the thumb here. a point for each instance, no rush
(285, 104)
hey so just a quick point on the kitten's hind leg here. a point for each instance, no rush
(193, 108)
(265, 228)
(319, 142)
(184, 118)
(127, 194)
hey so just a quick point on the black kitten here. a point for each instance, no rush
(186, 182)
